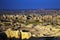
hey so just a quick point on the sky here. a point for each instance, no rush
(29, 4)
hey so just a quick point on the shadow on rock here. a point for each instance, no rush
(3, 36)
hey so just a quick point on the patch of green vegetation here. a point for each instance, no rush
(34, 22)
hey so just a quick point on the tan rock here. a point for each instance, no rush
(29, 26)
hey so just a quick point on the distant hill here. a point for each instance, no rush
(30, 11)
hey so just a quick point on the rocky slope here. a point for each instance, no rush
(38, 25)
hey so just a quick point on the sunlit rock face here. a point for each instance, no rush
(17, 34)
(10, 33)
